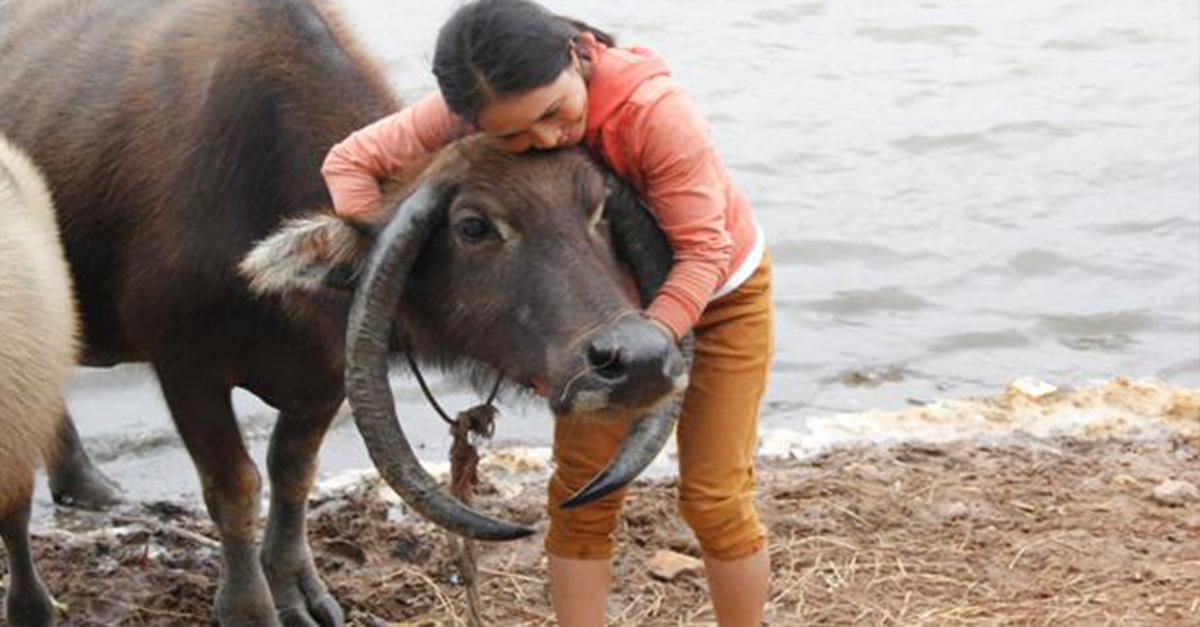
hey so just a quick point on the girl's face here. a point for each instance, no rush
(551, 116)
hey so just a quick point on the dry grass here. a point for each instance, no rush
(1032, 533)
(1022, 534)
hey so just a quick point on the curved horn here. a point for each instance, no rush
(367, 388)
(643, 247)
(641, 446)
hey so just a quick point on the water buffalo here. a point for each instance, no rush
(37, 352)
(177, 134)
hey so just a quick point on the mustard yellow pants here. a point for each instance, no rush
(717, 436)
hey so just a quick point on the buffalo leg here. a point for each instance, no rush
(28, 602)
(300, 597)
(74, 478)
(203, 414)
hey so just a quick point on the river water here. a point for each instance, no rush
(955, 193)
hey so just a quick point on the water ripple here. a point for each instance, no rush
(1041, 129)
(1099, 344)
(974, 143)
(866, 302)
(821, 252)
(791, 14)
(1097, 324)
(1010, 338)
(1166, 226)
(1108, 40)
(933, 34)
(870, 376)
(1040, 262)
(1106, 332)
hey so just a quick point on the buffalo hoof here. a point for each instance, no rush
(76, 482)
(247, 605)
(303, 601)
(30, 605)
(300, 596)
(322, 612)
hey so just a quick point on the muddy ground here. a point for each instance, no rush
(1025, 531)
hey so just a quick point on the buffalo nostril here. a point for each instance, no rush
(606, 362)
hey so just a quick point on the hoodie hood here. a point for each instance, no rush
(616, 74)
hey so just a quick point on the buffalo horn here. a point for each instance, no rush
(646, 438)
(370, 327)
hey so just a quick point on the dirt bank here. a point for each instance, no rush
(1019, 530)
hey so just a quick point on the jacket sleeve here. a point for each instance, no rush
(355, 167)
(688, 188)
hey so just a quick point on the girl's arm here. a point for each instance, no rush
(355, 167)
(689, 189)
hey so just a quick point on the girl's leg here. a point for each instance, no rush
(739, 588)
(580, 541)
(718, 438)
(579, 590)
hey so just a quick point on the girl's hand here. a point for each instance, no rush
(666, 330)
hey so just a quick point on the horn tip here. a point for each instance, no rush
(571, 503)
(591, 492)
(508, 533)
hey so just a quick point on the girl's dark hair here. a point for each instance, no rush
(490, 48)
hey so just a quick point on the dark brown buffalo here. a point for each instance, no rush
(176, 134)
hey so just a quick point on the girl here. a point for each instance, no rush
(536, 80)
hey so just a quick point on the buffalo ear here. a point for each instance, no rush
(637, 238)
(308, 255)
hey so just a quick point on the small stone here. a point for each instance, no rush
(1175, 493)
(668, 565)
(1123, 480)
(389, 496)
(863, 470)
(1033, 388)
(951, 510)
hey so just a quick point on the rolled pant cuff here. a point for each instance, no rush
(576, 550)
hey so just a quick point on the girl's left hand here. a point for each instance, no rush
(666, 330)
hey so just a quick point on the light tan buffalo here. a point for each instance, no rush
(37, 352)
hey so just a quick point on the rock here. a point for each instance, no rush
(388, 495)
(667, 565)
(518, 460)
(508, 486)
(1123, 480)
(864, 470)
(348, 549)
(367, 619)
(778, 442)
(951, 510)
(1175, 493)
(344, 482)
(1033, 388)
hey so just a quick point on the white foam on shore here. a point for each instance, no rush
(1118, 408)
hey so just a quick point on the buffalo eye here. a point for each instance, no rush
(473, 229)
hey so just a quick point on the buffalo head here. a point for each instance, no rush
(489, 263)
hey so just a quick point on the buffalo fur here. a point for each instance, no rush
(175, 134)
(37, 326)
